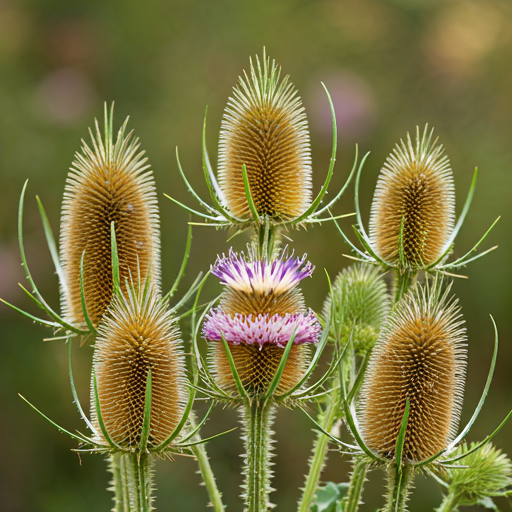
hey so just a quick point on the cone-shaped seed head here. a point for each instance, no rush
(489, 473)
(357, 306)
(415, 193)
(138, 335)
(261, 308)
(264, 127)
(421, 356)
(109, 183)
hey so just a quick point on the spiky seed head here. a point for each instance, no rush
(256, 366)
(488, 474)
(415, 194)
(139, 335)
(357, 306)
(421, 356)
(265, 127)
(110, 182)
(260, 310)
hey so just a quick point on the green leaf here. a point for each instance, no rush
(88, 320)
(183, 263)
(146, 424)
(277, 377)
(329, 498)
(115, 260)
(488, 503)
(248, 195)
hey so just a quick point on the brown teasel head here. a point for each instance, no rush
(137, 336)
(110, 182)
(264, 127)
(414, 195)
(420, 356)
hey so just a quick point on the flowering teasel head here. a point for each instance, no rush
(261, 313)
(139, 351)
(419, 360)
(264, 164)
(357, 306)
(108, 183)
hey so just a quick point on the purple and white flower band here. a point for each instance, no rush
(260, 276)
(261, 329)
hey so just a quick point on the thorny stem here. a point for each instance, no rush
(403, 281)
(199, 452)
(257, 418)
(317, 461)
(266, 240)
(132, 482)
(449, 504)
(353, 498)
(399, 482)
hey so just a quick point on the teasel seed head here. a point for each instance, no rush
(139, 335)
(488, 473)
(420, 356)
(260, 310)
(110, 182)
(264, 127)
(414, 194)
(357, 306)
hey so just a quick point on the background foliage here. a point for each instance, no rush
(389, 65)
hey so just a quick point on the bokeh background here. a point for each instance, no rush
(389, 64)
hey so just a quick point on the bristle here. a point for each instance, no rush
(420, 355)
(108, 183)
(358, 306)
(265, 127)
(256, 366)
(415, 187)
(139, 335)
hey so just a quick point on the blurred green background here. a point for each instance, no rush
(389, 65)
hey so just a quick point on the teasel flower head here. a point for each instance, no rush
(260, 312)
(109, 182)
(139, 351)
(419, 360)
(264, 163)
(356, 307)
(487, 474)
(412, 220)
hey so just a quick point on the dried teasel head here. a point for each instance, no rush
(414, 201)
(139, 335)
(357, 306)
(260, 310)
(110, 182)
(420, 356)
(265, 128)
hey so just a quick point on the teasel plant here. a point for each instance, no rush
(260, 339)
(403, 409)
(110, 187)
(353, 314)
(264, 178)
(412, 220)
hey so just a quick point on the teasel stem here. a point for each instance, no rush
(120, 490)
(403, 281)
(266, 240)
(449, 504)
(200, 454)
(357, 480)
(320, 447)
(257, 417)
(399, 482)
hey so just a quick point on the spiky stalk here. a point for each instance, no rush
(399, 484)
(257, 419)
(353, 498)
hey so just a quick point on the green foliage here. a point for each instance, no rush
(329, 498)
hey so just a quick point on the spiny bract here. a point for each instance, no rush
(108, 183)
(414, 194)
(420, 356)
(264, 127)
(139, 334)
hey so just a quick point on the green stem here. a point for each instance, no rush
(266, 240)
(357, 480)
(403, 282)
(208, 478)
(120, 490)
(257, 418)
(449, 504)
(399, 482)
(317, 461)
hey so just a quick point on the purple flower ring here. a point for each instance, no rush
(261, 329)
(278, 276)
